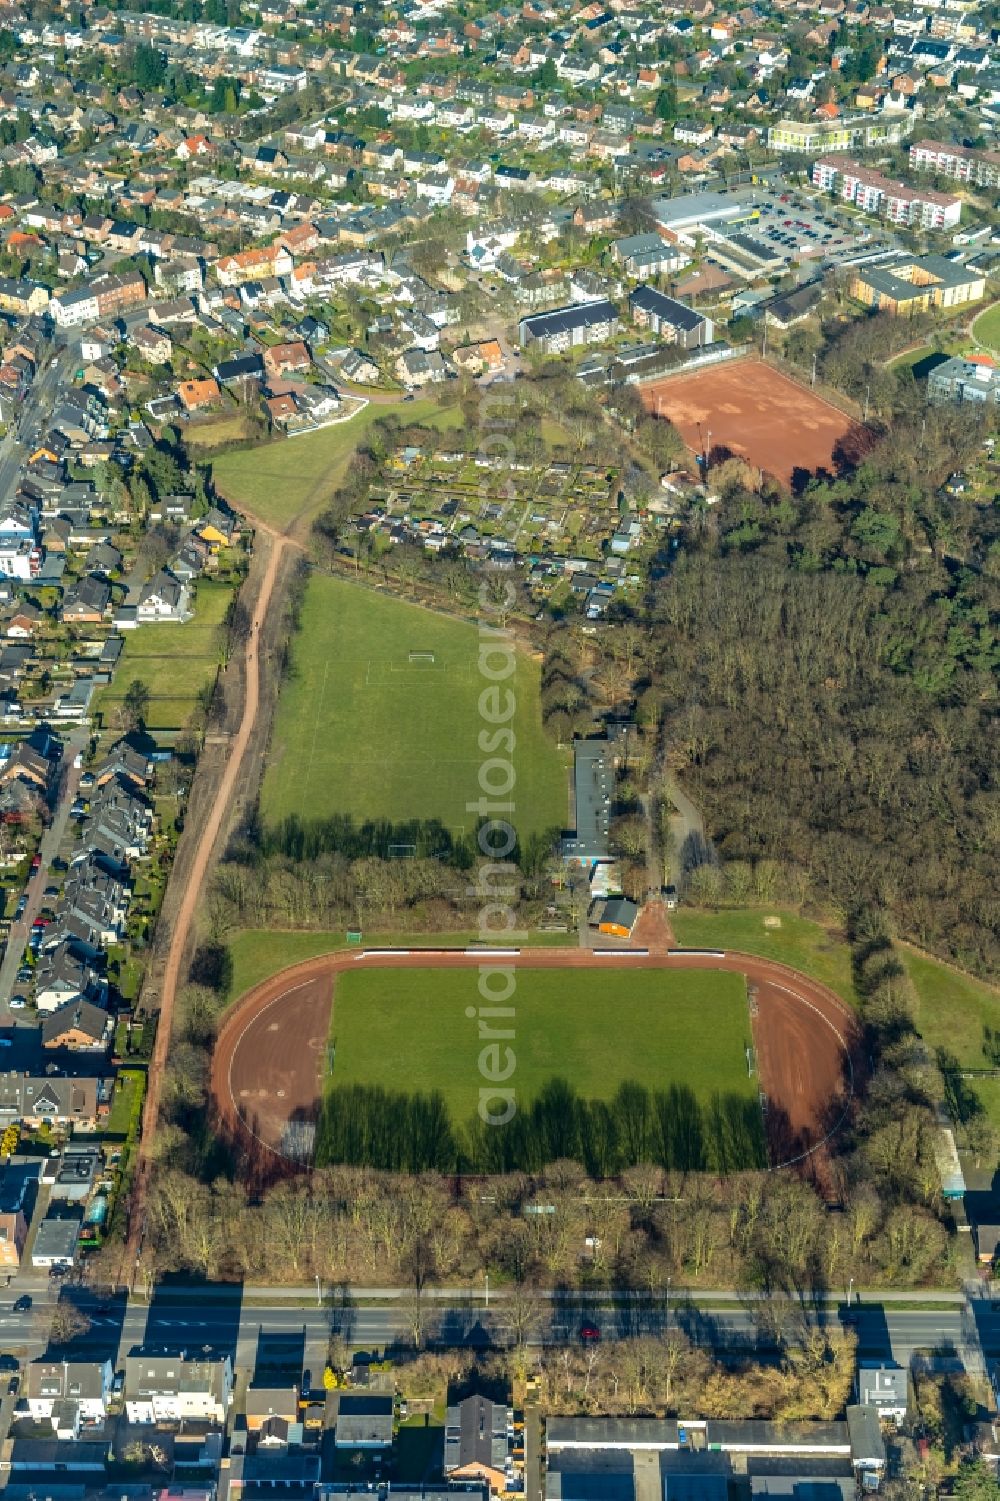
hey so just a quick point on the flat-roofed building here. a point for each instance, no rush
(593, 787)
(916, 284)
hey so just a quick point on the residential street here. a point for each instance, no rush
(49, 849)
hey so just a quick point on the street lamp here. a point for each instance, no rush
(487, 1289)
(319, 1295)
(850, 1289)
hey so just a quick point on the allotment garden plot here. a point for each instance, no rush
(452, 499)
(379, 719)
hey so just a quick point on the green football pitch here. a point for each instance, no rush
(410, 1031)
(380, 719)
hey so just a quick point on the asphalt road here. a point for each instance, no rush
(183, 1319)
(14, 450)
(51, 840)
(34, 415)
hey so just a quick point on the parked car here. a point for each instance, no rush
(23, 1304)
(22, 904)
(17, 1003)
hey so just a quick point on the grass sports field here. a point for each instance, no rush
(175, 661)
(293, 478)
(407, 1030)
(953, 1009)
(363, 729)
(986, 329)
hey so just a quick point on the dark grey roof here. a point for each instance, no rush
(242, 366)
(56, 1239)
(476, 1433)
(364, 1422)
(595, 1475)
(565, 319)
(667, 309)
(882, 1385)
(867, 1447)
(620, 910)
(593, 784)
(695, 1485)
(610, 1433)
(804, 1487)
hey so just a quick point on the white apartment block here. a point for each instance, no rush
(873, 193)
(981, 168)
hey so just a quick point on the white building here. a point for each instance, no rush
(172, 1388)
(84, 1383)
(20, 558)
(874, 193)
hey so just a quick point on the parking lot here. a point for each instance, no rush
(798, 229)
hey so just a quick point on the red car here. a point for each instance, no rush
(589, 1333)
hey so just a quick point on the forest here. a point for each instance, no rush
(825, 674)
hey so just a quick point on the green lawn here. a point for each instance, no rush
(408, 1030)
(953, 1008)
(231, 428)
(953, 1012)
(130, 1086)
(174, 661)
(921, 361)
(258, 953)
(986, 329)
(360, 729)
(419, 1451)
(804, 945)
(293, 478)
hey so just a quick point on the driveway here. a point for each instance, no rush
(689, 847)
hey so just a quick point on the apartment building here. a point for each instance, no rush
(568, 327)
(975, 378)
(812, 137)
(916, 284)
(163, 1388)
(874, 193)
(981, 169)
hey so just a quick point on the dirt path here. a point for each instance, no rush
(193, 895)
